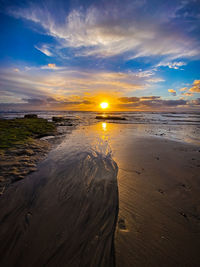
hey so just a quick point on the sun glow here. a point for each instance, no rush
(104, 105)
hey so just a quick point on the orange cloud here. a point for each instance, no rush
(196, 87)
(172, 91)
(51, 65)
(187, 94)
(183, 89)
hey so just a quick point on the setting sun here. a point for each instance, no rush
(104, 105)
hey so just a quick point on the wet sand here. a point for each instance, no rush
(65, 213)
(159, 203)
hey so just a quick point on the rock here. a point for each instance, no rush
(102, 117)
(29, 164)
(2, 190)
(161, 191)
(58, 119)
(28, 152)
(31, 170)
(121, 224)
(20, 152)
(138, 172)
(2, 179)
(18, 162)
(62, 121)
(65, 124)
(183, 214)
(30, 116)
(16, 178)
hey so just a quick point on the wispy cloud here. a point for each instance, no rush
(112, 49)
(155, 80)
(172, 65)
(106, 31)
(53, 81)
(44, 49)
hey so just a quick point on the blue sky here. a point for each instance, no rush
(136, 54)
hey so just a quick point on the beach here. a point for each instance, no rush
(159, 204)
(106, 196)
(100, 133)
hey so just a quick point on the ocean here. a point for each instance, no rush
(183, 127)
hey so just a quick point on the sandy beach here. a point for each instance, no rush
(100, 133)
(106, 196)
(159, 203)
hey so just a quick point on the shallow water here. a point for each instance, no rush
(65, 213)
(177, 126)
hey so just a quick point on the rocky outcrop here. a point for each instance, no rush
(30, 116)
(62, 121)
(108, 117)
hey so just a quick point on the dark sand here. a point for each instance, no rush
(159, 200)
(65, 213)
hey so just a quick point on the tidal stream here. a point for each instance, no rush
(65, 213)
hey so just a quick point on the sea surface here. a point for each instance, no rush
(183, 127)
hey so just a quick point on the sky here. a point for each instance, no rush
(72, 55)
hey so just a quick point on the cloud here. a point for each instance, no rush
(135, 99)
(91, 103)
(187, 94)
(151, 102)
(195, 101)
(173, 103)
(172, 65)
(172, 91)
(16, 70)
(183, 89)
(195, 87)
(155, 80)
(37, 83)
(51, 66)
(129, 99)
(144, 74)
(44, 49)
(104, 30)
(34, 101)
(150, 97)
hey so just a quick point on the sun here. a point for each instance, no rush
(104, 105)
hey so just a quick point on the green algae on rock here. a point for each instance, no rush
(20, 147)
(16, 132)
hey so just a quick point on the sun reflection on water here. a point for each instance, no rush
(104, 126)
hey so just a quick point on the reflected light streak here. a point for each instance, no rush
(104, 126)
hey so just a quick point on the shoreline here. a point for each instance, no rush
(80, 188)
